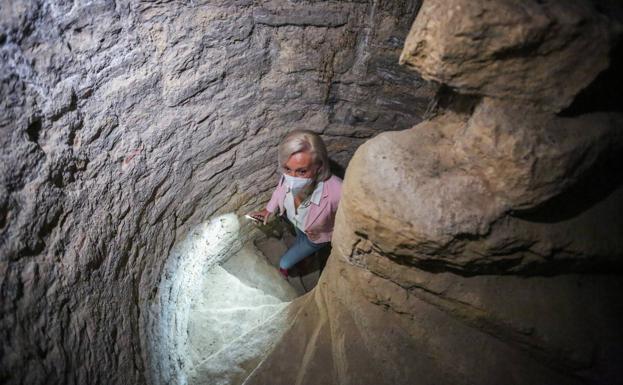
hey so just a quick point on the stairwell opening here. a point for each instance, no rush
(221, 302)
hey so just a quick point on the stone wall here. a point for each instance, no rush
(125, 123)
(483, 245)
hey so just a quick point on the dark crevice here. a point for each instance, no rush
(5, 210)
(33, 130)
(50, 225)
(514, 264)
(604, 93)
(337, 169)
(597, 185)
(447, 98)
(34, 247)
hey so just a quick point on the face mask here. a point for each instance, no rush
(296, 183)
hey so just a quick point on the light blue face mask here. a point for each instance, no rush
(297, 183)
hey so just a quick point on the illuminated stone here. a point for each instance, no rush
(211, 321)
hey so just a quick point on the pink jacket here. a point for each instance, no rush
(320, 217)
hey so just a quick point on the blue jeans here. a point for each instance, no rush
(302, 248)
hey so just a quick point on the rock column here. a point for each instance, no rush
(482, 246)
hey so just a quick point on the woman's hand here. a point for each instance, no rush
(312, 235)
(262, 216)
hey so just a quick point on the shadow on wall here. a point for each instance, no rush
(337, 169)
(604, 93)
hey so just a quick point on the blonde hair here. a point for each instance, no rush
(305, 140)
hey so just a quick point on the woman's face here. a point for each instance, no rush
(300, 165)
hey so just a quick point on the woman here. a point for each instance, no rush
(307, 192)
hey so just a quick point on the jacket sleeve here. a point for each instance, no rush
(273, 204)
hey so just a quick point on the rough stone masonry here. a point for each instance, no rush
(124, 123)
(478, 246)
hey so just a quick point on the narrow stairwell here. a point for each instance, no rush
(222, 305)
(238, 318)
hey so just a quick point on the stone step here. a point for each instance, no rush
(237, 320)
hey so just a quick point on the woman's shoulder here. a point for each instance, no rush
(334, 181)
(334, 187)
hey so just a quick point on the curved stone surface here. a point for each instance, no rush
(415, 292)
(541, 53)
(123, 124)
(481, 246)
(437, 193)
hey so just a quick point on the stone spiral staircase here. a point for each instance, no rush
(237, 319)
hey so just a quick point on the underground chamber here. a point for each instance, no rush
(477, 241)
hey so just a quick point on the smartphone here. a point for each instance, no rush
(255, 219)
